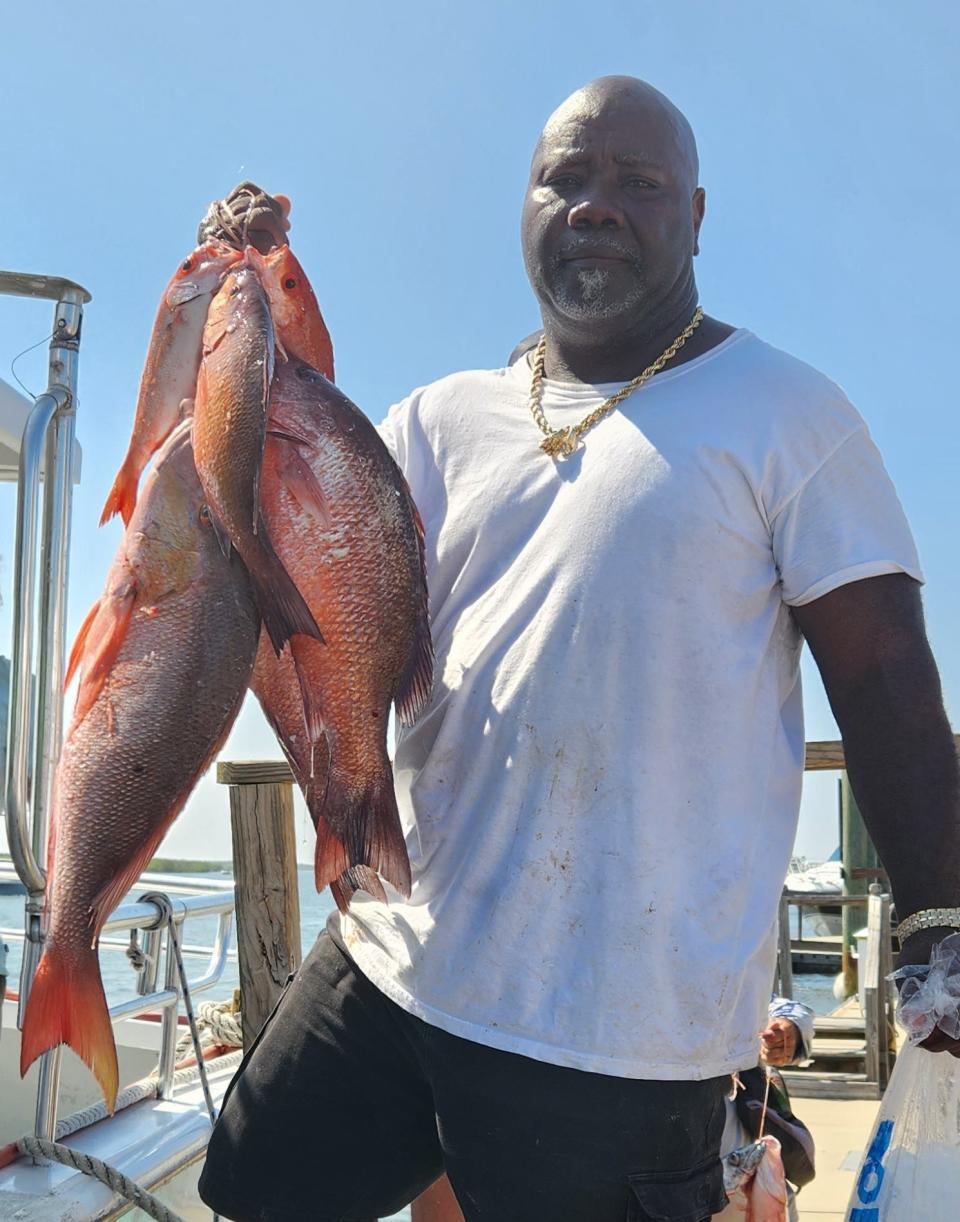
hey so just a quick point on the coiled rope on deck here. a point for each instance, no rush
(219, 1024)
(120, 1183)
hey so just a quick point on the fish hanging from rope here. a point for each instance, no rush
(164, 659)
(169, 379)
(351, 538)
(229, 432)
(754, 1182)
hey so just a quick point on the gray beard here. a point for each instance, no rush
(591, 298)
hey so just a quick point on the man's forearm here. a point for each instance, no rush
(902, 765)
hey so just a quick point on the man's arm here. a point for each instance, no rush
(869, 643)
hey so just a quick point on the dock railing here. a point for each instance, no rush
(877, 1022)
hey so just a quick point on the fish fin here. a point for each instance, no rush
(416, 682)
(286, 432)
(357, 878)
(111, 894)
(102, 641)
(282, 606)
(122, 498)
(223, 538)
(67, 1006)
(186, 408)
(300, 481)
(312, 709)
(330, 856)
(76, 653)
(365, 823)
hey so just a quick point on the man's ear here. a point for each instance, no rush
(699, 209)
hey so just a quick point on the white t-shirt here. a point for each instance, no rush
(600, 799)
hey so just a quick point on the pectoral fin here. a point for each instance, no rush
(98, 643)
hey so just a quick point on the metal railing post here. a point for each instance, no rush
(35, 719)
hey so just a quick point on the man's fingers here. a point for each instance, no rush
(939, 1041)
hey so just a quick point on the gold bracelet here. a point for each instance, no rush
(928, 918)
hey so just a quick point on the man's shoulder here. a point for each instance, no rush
(793, 396)
(765, 361)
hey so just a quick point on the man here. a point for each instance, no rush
(601, 797)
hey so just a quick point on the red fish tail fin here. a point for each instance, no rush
(282, 606)
(122, 498)
(367, 822)
(67, 1005)
(330, 856)
(357, 878)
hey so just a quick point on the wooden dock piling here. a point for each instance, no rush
(265, 874)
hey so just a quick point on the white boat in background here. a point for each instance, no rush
(826, 877)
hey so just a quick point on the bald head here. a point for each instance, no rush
(612, 213)
(645, 108)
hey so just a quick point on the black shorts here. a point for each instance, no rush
(346, 1107)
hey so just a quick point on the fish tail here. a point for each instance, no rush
(357, 878)
(123, 495)
(368, 833)
(67, 1005)
(282, 606)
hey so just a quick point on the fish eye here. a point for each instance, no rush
(204, 515)
(289, 283)
(186, 265)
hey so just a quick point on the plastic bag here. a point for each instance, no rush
(911, 1169)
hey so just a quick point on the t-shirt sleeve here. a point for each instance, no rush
(388, 434)
(844, 523)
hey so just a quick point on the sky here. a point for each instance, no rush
(402, 134)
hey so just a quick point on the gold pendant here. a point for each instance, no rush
(560, 444)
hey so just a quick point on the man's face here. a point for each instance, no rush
(611, 215)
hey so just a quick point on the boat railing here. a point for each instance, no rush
(152, 920)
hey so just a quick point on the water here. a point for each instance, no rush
(120, 980)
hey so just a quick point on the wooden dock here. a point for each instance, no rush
(841, 1130)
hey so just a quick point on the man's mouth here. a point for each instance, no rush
(596, 254)
(594, 259)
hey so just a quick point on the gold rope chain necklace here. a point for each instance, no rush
(561, 443)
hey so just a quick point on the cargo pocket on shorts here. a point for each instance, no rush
(259, 1036)
(677, 1196)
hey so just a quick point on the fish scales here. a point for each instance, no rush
(229, 431)
(349, 534)
(166, 662)
(168, 382)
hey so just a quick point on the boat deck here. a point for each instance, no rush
(841, 1129)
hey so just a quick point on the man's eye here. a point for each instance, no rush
(641, 183)
(562, 182)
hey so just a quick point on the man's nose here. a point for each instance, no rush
(595, 213)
